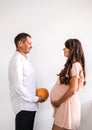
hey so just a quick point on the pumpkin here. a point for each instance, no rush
(42, 92)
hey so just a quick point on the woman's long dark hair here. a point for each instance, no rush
(76, 55)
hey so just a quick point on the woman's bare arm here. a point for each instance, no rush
(73, 86)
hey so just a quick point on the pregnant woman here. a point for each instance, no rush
(64, 94)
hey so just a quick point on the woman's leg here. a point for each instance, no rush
(57, 128)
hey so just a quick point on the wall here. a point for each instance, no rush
(50, 22)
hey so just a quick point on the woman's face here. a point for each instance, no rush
(66, 52)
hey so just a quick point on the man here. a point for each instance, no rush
(22, 84)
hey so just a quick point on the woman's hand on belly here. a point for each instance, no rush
(56, 103)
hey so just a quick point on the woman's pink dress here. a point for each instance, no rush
(67, 115)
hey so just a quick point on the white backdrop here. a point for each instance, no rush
(50, 22)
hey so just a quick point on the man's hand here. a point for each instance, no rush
(41, 100)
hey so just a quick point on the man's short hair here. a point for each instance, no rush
(21, 37)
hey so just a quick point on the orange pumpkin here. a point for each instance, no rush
(42, 92)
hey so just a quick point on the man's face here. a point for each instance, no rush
(25, 47)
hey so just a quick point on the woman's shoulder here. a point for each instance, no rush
(76, 69)
(77, 65)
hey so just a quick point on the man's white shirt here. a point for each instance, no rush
(22, 84)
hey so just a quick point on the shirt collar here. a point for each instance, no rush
(20, 55)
